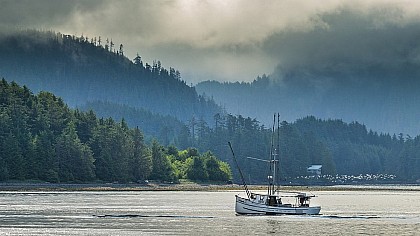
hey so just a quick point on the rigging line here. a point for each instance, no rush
(240, 172)
(257, 159)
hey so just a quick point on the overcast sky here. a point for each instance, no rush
(236, 40)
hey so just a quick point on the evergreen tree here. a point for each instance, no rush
(75, 159)
(137, 60)
(162, 169)
(141, 162)
(13, 158)
(45, 166)
(111, 147)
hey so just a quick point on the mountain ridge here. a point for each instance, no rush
(384, 106)
(80, 70)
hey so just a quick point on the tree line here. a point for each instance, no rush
(252, 140)
(375, 97)
(41, 138)
(342, 148)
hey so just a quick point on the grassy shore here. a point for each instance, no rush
(190, 186)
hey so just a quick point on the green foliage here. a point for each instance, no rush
(42, 139)
(341, 148)
(13, 157)
(162, 168)
(217, 170)
(141, 159)
(189, 164)
(75, 159)
(197, 170)
(45, 165)
(409, 157)
(294, 153)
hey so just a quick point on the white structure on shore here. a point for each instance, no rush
(315, 170)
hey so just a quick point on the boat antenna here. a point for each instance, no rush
(240, 172)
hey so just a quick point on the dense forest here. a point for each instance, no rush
(344, 149)
(82, 69)
(154, 126)
(161, 129)
(384, 99)
(41, 138)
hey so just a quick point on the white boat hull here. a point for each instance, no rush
(247, 206)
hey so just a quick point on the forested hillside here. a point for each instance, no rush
(342, 148)
(384, 99)
(81, 69)
(166, 129)
(41, 138)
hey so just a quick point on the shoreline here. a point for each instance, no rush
(49, 187)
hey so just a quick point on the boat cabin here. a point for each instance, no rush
(274, 200)
(269, 200)
(302, 200)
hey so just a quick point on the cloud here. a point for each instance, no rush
(40, 14)
(236, 39)
(378, 42)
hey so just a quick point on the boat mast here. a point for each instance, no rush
(278, 153)
(240, 172)
(272, 177)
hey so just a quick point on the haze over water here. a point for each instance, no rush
(379, 212)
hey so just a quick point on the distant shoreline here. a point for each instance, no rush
(193, 187)
(115, 187)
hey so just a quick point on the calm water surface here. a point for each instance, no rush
(381, 212)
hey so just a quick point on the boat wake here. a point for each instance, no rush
(320, 216)
(351, 217)
(363, 217)
(151, 216)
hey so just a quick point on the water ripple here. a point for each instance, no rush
(152, 216)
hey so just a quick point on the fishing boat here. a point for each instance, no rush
(271, 203)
